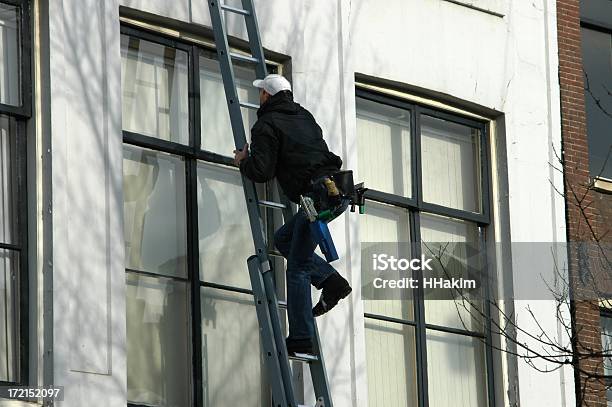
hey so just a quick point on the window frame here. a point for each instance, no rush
(415, 205)
(605, 312)
(21, 114)
(192, 155)
(24, 110)
(416, 202)
(602, 26)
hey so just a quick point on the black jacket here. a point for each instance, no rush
(287, 142)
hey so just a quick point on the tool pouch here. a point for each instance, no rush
(325, 194)
(333, 193)
(329, 196)
(344, 182)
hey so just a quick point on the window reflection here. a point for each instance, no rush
(154, 85)
(10, 44)
(154, 208)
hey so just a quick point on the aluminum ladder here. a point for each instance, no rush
(260, 270)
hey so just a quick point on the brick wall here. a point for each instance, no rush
(588, 212)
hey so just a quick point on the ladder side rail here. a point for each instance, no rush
(281, 348)
(269, 345)
(318, 373)
(233, 104)
(261, 72)
(259, 266)
(254, 38)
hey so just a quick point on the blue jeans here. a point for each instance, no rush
(304, 267)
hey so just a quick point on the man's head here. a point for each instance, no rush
(270, 86)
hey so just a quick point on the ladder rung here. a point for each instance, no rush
(270, 204)
(244, 58)
(249, 105)
(235, 10)
(275, 253)
(304, 357)
(282, 304)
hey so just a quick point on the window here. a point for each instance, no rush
(14, 111)
(193, 336)
(596, 22)
(10, 93)
(427, 171)
(606, 347)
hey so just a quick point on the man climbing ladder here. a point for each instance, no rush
(288, 144)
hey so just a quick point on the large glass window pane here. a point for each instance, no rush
(155, 90)
(456, 370)
(9, 306)
(383, 141)
(450, 159)
(8, 177)
(391, 364)
(597, 11)
(453, 245)
(384, 223)
(158, 346)
(223, 224)
(10, 77)
(387, 224)
(154, 211)
(216, 128)
(233, 372)
(597, 62)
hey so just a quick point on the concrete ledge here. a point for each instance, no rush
(602, 185)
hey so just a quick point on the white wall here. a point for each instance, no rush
(507, 64)
(87, 207)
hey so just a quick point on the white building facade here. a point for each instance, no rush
(137, 237)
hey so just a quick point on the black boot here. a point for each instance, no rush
(299, 346)
(335, 288)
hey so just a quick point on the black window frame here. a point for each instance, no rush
(415, 205)
(192, 154)
(605, 312)
(24, 110)
(21, 114)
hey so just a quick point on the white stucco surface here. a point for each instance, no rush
(506, 64)
(87, 209)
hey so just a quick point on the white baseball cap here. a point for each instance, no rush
(272, 84)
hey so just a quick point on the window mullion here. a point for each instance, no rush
(194, 99)
(419, 316)
(194, 277)
(485, 179)
(23, 307)
(25, 52)
(193, 250)
(417, 169)
(488, 325)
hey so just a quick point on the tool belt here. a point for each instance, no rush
(331, 194)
